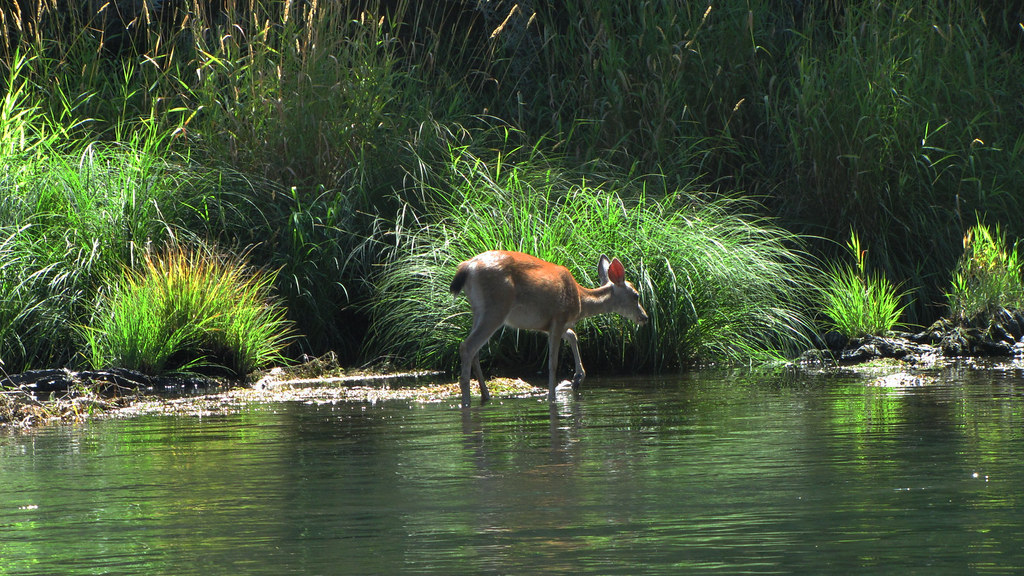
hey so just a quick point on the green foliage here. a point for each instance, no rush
(288, 128)
(70, 220)
(76, 211)
(24, 131)
(652, 85)
(890, 116)
(305, 95)
(858, 303)
(987, 277)
(717, 285)
(189, 310)
(309, 90)
(896, 118)
(73, 221)
(27, 327)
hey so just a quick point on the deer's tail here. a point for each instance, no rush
(459, 281)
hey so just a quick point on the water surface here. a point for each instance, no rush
(709, 472)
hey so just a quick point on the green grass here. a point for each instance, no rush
(305, 95)
(889, 117)
(987, 278)
(27, 319)
(189, 311)
(718, 285)
(858, 303)
(75, 212)
(897, 118)
(75, 220)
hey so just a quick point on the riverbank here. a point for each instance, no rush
(39, 397)
(371, 390)
(42, 397)
(92, 397)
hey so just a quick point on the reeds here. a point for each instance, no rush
(29, 314)
(295, 130)
(900, 117)
(75, 213)
(897, 120)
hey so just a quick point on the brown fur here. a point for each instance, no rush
(522, 291)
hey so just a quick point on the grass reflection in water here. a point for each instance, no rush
(705, 472)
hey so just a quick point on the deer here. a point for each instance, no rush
(522, 291)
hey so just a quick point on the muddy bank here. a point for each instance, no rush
(61, 395)
(41, 396)
(315, 392)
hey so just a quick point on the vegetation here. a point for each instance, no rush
(188, 311)
(987, 278)
(343, 144)
(858, 303)
(77, 213)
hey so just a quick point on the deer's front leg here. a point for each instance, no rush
(580, 374)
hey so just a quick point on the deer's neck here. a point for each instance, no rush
(594, 301)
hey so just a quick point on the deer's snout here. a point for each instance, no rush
(641, 315)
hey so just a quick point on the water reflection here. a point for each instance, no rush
(708, 472)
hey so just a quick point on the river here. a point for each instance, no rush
(711, 471)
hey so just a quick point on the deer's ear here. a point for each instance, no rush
(616, 272)
(602, 270)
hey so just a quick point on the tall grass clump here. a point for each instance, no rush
(892, 116)
(987, 277)
(46, 252)
(717, 285)
(74, 221)
(267, 124)
(301, 93)
(75, 217)
(85, 207)
(857, 302)
(288, 127)
(189, 311)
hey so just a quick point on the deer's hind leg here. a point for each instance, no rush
(486, 321)
(485, 394)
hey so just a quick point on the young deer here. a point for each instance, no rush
(522, 291)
